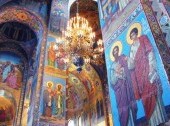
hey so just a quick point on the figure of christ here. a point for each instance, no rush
(145, 80)
(122, 86)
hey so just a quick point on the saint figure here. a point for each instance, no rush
(145, 80)
(59, 101)
(47, 100)
(51, 55)
(11, 79)
(122, 85)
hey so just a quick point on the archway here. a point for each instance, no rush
(36, 24)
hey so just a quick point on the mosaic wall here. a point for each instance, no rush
(11, 70)
(3, 2)
(135, 72)
(39, 7)
(110, 10)
(162, 18)
(52, 104)
(22, 15)
(11, 80)
(7, 109)
(53, 94)
(58, 16)
(82, 84)
(167, 5)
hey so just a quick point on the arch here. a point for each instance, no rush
(22, 15)
(5, 2)
(14, 48)
(17, 31)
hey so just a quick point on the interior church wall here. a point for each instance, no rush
(54, 68)
(40, 8)
(112, 13)
(52, 111)
(3, 2)
(11, 80)
(117, 34)
(22, 15)
(166, 4)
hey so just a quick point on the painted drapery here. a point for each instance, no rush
(148, 80)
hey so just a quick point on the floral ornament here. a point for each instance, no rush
(22, 16)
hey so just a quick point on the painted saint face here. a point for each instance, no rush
(133, 36)
(115, 51)
(59, 87)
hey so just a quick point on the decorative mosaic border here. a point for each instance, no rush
(156, 31)
(126, 23)
(158, 35)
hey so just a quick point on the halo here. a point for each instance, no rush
(59, 85)
(50, 82)
(135, 25)
(119, 44)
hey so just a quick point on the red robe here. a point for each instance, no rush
(143, 89)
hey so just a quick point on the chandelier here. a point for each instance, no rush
(78, 45)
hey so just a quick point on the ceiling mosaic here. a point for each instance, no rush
(77, 91)
(58, 16)
(83, 89)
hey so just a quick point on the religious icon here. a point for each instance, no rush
(59, 98)
(10, 72)
(122, 86)
(47, 99)
(51, 54)
(144, 76)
